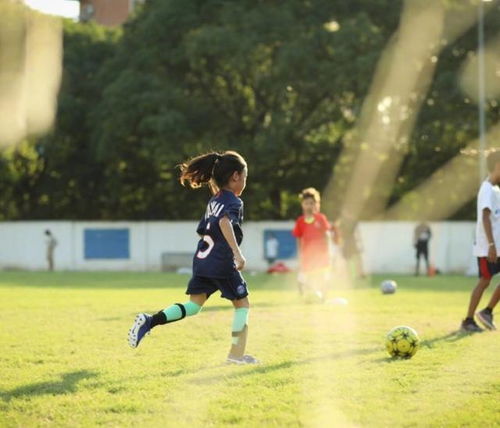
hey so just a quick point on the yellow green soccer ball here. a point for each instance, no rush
(402, 342)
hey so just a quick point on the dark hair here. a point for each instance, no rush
(213, 169)
(492, 159)
(310, 192)
(47, 232)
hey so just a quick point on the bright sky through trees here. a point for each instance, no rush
(65, 8)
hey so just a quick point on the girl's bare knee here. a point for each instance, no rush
(199, 299)
(241, 303)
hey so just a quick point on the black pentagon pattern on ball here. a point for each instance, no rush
(405, 336)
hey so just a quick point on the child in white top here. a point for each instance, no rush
(486, 247)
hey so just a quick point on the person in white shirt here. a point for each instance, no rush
(486, 247)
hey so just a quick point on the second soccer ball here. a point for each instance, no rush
(388, 286)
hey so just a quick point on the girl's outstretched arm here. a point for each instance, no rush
(227, 230)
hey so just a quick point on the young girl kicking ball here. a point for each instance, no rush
(218, 258)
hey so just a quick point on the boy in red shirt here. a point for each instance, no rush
(313, 231)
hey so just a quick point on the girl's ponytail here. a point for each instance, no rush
(213, 169)
(199, 170)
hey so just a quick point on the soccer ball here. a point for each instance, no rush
(402, 342)
(388, 286)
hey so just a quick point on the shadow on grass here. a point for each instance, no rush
(450, 337)
(430, 343)
(67, 384)
(263, 369)
(267, 368)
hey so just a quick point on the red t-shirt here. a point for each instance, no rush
(313, 242)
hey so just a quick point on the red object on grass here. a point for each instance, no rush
(279, 268)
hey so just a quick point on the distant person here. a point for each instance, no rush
(336, 245)
(486, 247)
(313, 231)
(218, 259)
(272, 249)
(51, 244)
(352, 249)
(421, 237)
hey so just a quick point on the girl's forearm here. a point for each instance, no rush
(227, 230)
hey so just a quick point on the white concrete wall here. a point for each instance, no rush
(387, 245)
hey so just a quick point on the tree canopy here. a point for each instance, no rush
(280, 82)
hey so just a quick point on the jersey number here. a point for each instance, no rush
(202, 254)
(208, 239)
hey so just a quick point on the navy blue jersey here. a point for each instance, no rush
(214, 257)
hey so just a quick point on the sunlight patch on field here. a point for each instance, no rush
(320, 407)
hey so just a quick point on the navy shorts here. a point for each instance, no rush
(486, 269)
(232, 288)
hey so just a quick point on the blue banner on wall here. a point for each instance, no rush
(284, 245)
(106, 243)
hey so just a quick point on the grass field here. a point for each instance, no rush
(64, 358)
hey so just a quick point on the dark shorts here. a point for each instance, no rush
(232, 288)
(422, 249)
(486, 269)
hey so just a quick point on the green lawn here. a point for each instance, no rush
(64, 358)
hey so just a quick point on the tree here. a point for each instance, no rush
(275, 81)
(57, 175)
(281, 82)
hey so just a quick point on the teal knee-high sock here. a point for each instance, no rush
(240, 320)
(178, 311)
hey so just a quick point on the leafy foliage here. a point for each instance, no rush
(281, 82)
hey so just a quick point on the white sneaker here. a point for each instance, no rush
(246, 359)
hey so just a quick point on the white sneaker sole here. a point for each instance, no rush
(485, 322)
(134, 330)
(242, 362)
(237, 362)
